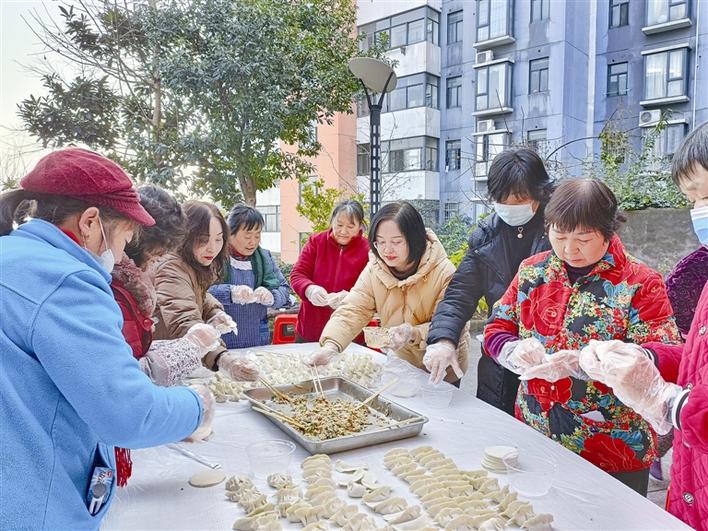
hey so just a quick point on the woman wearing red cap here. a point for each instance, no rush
(70, 383)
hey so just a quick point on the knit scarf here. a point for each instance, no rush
(263, 273)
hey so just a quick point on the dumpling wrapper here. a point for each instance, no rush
(406, 515)
(391, 505)
(207, 478)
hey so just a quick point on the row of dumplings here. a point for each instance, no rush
(460, 500)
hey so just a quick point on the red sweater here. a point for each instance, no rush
(325, 263)
(687, 365)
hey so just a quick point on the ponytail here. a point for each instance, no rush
(10, 203)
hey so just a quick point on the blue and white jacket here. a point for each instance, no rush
(71, 388)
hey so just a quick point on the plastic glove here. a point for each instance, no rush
(518, 356)
(205, 337)
(204, 430)
(169, 362)
(438, 357)
(634, 379)
(317, 295)
(242, 294)
(323, 356)
(263, 296)
(561, 364)
(402, 335)
(238, 367)
(334, 300)
(223, 322)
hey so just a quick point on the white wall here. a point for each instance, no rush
(371, 10)
(421, 121)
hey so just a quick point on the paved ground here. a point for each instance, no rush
(657, 489)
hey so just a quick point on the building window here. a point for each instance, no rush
(536, 140)
(363, 161)
(454, 27)
(452, 155)
(493, 87)
(414, 26)
(539, 10)
(665, 74)
(619, 13)
(271, 216)
(410, 154)
(419, 90)
(538, 75)
(668, 140)
(451, 210)
(454, 92)
(489, 146)
(493, 19)
(617, 79)
(662, 11)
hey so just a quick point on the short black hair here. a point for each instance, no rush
(410, 223)
(518, 171)
(692, 152)
(168, 231)
(244, 217)
(352, 209)
(583, 203)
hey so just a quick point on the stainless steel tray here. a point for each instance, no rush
(334, 387)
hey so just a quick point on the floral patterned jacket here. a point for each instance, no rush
(621, 298)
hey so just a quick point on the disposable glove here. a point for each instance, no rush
(263, 296)
(519, 356)
(317, 295)
(205, 337)
(204, 430)
(561, 364)
(402, 335)
(438, 357)
(238, 367)
(634, 379)
(242, 294)
(223, 322)
(169, 362)
(323, 356)
(334, 300)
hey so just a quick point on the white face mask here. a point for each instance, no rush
(106, 258)
(514, 215)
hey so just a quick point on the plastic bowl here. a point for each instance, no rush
(531, 475)
(438, 396)
(270, 457)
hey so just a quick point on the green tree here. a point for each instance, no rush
(116, 102)
(317, 203)
(258, 73)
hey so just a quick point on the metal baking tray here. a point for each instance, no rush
(335, 387)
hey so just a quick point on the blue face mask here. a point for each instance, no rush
(699, 218)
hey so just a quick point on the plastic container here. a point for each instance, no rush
(270, 456)
(408, 384)
(438, 396)
(531, 474)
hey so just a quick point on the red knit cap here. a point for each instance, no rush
(87, 176)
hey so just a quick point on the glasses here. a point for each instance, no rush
(379, 246)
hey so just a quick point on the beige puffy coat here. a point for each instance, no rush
(411, 301)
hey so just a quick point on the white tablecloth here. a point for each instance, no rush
(159, 497)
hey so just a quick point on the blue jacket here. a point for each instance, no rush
(71, 388)
(252, 319)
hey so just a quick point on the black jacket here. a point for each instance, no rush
(485, 271)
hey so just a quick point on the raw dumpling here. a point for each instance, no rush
(316, 526)
(391, 505)
(406, 515)
(369, 481)
(518, 512)
(309, 515)
(377, 495)
(344, 514)
(280, 481)
(347, 468)
(355, 490)
(251, 523)
(421, 450)
(418, 524)
(360, 522)
(291, 513)
(402, 468)
(315, 491)
(538, 522)
(493, 524)
(317, 458)
(448, 514)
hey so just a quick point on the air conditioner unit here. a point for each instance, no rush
(647, 118)
(484, 126)
(484, 57)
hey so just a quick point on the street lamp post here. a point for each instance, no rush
(376, 77)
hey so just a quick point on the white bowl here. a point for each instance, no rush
(531, 474)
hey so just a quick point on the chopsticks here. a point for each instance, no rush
(275, 391)
(377, 393)
(279, 416)
(316, 382)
